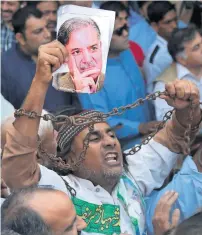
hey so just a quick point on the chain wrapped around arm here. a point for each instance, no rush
(79, 120)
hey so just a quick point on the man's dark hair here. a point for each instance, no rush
(16, 215)
(114, 6)
(35, 3)
(22, 15)
(190, 226)
(141, 3)
(179, 38)
(73, 24)
(158, 9)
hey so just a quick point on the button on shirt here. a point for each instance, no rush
(156, 61)
(17, 72)
(161, 106)
(188, 183)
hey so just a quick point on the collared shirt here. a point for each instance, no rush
(7, 38)
(156, 61)
(161, 106)
(17, 72)
(123, 85)
(188, 183)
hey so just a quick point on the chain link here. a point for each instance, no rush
(79, 120)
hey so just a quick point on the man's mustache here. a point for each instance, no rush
(89, 65)
(6, 11)
(50, 22)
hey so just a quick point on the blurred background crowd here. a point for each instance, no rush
(153, 43)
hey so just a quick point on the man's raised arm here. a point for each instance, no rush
(152, 164)
(19, 165)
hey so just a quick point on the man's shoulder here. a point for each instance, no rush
(155, 51)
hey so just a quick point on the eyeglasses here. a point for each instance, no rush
(119, 31)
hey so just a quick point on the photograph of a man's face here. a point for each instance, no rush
(82, 39)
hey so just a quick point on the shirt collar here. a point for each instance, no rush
(162, 40)
(182, 71)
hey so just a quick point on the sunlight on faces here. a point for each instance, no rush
(193, 52)
(120, 43)
(166, 26)
(85, 47)
(103, 159)
(57, 210)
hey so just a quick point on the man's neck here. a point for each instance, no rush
(34, 57)
(113, 54)
(196, 71)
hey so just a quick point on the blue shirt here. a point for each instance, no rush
(17, 72)
(142, 33)
(123, 85)
(188, 183)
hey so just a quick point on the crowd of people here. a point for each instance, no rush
(90, 174)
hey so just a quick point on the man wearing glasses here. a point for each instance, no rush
(163, 19)
(123, 84)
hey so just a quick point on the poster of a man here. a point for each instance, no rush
(82, 39)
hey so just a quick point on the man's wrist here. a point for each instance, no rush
(184, 118)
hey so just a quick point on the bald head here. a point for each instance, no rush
(55, 207)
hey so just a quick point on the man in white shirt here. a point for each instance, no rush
(108, 196)
(185, 47)
(163, 19)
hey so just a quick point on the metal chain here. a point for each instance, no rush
(79, 120)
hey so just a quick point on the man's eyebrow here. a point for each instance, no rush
(72, 223)
(75, 49)
(96, 44)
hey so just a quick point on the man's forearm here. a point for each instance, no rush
(33, 102)
(173, 135)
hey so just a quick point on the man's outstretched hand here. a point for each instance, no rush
(50, 57)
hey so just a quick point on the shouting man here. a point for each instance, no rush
(106, 192)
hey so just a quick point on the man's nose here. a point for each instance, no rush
(86, 56)
(47, 34)
(174, 24)
(109, 141)
(125, 33)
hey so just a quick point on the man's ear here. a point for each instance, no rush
(154, 25)
(20, 38)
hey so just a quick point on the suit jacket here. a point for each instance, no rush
(64, 82)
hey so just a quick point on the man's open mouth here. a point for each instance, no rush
(112, 158)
